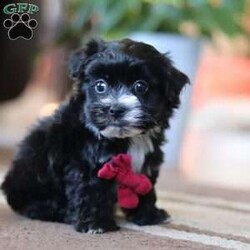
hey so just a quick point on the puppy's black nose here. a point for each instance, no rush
(117, 111)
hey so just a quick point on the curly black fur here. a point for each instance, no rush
(54, 173)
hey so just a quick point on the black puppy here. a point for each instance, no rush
(124, 95)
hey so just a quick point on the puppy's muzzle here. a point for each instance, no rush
(117, 111)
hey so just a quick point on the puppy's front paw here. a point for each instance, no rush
(96, 227)
(150, 217)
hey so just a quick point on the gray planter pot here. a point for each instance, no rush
(185, 53)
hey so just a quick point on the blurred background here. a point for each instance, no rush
(209, 141)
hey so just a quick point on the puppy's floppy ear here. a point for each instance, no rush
(178, 79)
(81, 57)
(74, 65)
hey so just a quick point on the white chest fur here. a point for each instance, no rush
(140, 146)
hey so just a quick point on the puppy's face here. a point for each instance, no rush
(127, 87)
(122, 98)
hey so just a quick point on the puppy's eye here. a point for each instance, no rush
(101, 86)
(140, 87)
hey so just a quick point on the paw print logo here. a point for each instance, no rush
(20, 26)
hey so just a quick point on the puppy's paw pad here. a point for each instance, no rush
(81, 227)
(96, 231)
(153, 217)
(96, 227)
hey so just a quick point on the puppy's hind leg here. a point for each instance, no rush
(44, 210)
(35, 208)
(31, 198)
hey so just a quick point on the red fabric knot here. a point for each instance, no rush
(130, 184)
